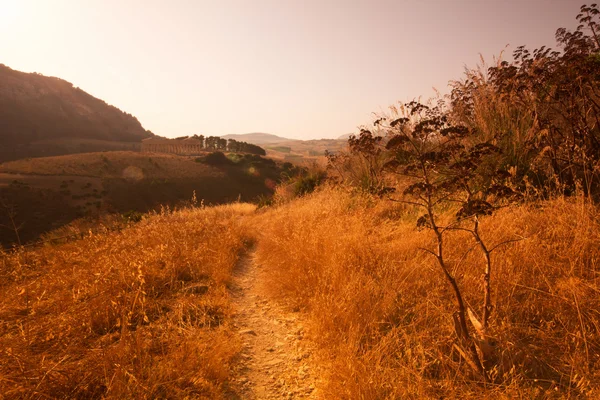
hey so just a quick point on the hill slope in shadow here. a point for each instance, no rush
(46, 116)
(43, 194)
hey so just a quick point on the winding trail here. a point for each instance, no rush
(275, 362)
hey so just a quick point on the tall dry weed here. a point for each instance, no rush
(138, 314)
(381, 311)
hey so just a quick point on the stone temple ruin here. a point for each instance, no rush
(185, 147)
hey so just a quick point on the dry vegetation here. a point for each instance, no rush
(145, 313)
(504, 170)
(47, 193)
(304, 151)
(139, 314)
(381, 311)
(114, 164)
(458, 257)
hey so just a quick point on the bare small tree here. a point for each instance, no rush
(443, 166)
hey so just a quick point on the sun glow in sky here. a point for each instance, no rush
(296, 68)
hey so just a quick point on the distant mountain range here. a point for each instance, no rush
(45, 116)
(297, 151)
(268, 138)
(257, 138)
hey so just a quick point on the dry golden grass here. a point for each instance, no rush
(53, 191)
(144, 313)
(380, 309)
(138, 314)
(113, 164)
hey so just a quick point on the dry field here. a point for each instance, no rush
(153, 311)
(381, 312)
(44, 194)
(115, 164)
(139, 314)
(335, 294)
(304, 151)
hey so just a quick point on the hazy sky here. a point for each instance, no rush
(296, 68)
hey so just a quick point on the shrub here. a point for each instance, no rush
(380, 311)
(217, 158)
(542, 109)
(361, 167)
(305, 181)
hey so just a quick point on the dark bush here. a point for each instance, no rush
(133, 216)
(217, 158)
(308, 181)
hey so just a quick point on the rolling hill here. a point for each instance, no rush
(345, 136)
(292, 150)
(47, 116)
(304, 151)
(43, 194)
(257, 138)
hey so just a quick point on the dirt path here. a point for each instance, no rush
(275, 362)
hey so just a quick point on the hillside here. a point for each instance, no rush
(380, 311)
(335, 299)
(44, 116)
(257, 138)
(305, 151)
(450, 251)
(149, 301)
(43, 194)
(109, 165)
(292, 150)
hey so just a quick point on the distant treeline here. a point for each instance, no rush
(218, 143)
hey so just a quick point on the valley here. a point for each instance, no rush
(40, 195)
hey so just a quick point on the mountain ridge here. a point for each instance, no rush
(35, 108)
(258, 138)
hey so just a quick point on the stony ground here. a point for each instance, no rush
(275, 362)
